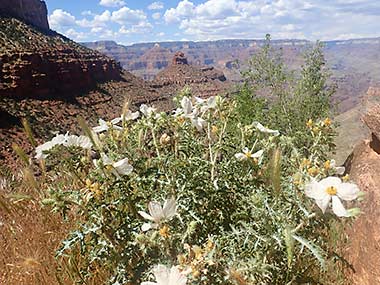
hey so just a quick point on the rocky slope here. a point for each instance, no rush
(50, 80)
(45, 64)
(202, 81)
(354, 63)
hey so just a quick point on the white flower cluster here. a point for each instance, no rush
(194, 112)
(65, 140)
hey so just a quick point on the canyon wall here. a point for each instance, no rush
(33, 12)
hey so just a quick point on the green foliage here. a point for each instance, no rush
(292, 97)
(241, 213)
(236, 219)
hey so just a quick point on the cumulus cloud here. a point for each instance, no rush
(216, 19)
(156, 6)
(140, 28)
(112, 3)
(156, 16)
(61, 19)
(128, 16)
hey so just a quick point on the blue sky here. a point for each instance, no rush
(127, 22)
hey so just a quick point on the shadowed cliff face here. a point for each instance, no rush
(33, 12)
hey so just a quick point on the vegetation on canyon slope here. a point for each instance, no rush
(207, 191)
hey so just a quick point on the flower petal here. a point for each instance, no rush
(156, 211)
(123, 167)
(162, 273)
(146, 227)
(169, 208)
(258, 154)
(146, 215)
(314, 190)
(149, 283)
(323, 203)
(348, 191)
(176, 277)
(330, 182)
(240, 156)
(186, 105)
(338, 207)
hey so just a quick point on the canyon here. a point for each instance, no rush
(354, 64)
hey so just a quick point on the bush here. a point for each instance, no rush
(220, 200)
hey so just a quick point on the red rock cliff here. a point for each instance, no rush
(33, 12)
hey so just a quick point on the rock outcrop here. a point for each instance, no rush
(203, 81)
(33, 12)
(47, 65)
(364, 167)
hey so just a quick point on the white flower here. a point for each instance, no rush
(198, 123)
(146, 110)
(247, 154)
(208, 104)
(121, 167)
(263, 129)
(157, 213)
(105, 126)
(130, 116)
(332, 188)
(80, 141)
(339, 170)
(166, 276)
(57, 140)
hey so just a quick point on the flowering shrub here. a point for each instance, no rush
(196, 197)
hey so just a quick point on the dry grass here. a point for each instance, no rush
(29, 235)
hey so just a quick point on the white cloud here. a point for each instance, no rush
(161, 34)
(60, 19)
(100, 20)
(112, 3)
(156, 16)
(140, 28)
(77, 36)
(184, 9)
(217, 19)
(156, 6)
(128, 16)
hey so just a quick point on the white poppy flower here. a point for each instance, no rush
(247, 154)
(167, 276)
(130, 116)
(146, 110)
(210, 103)
(332, 188)
(263, 129)
(187, 107)
(57, 140)
(80, 141)
(199, 123)
(158, 213)
(121, 167)
(105, 126)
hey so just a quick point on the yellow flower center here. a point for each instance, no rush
(248, 154)
(327, 165)
(327, 122)
(313, 171)
(214, 129)
(331, 190)
(164, 232)
(309, 123)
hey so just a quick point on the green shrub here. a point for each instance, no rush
(235, 209)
